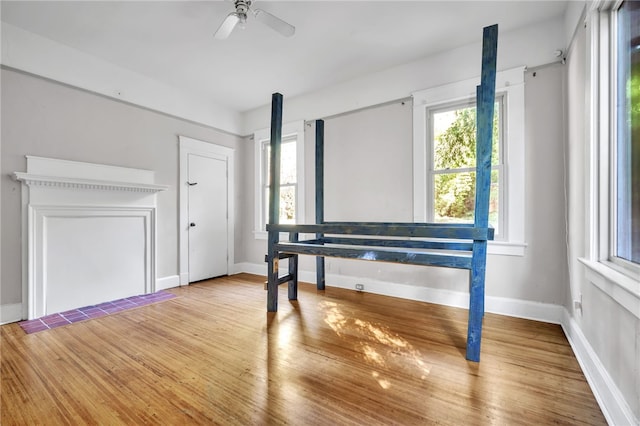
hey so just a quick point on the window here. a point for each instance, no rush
(444, 158)
(612, 219)
(291, 176)
(452, 137)
(625, 167)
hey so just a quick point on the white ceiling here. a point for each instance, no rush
(335, 41)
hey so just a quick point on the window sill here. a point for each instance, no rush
(506, 248)
(622, 288)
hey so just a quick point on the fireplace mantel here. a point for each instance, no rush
(89, 234)
(92, 184)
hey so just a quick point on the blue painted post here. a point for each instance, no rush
(274, 201)
(320, 270)
(293, 270)
(485, 98)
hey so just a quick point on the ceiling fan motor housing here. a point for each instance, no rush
(242, 6)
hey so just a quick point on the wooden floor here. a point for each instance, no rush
(214, 356)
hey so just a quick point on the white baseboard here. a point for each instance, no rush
(544, 312)
(250, 268)
(184, 278)
(167, 282)
(10, 313)
(498, 305)
(612, 403)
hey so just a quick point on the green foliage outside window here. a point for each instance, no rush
(455, 149)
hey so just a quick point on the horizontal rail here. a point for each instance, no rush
(280, 256)
(285, 279)
(411, 257)
(455, 232)
(368, 242)
(400, 224)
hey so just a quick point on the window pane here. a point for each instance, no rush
(454, 136)
(288, 161)
(288, 180)
(287, 205)
(265, 210)
(455, 198)
(628, 134)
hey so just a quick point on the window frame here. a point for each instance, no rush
(290, 130)
(509, 86)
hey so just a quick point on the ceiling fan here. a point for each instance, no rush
(243, 9)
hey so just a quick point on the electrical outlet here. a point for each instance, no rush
(577, 304)
(360, 287)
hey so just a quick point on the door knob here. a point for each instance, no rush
(192, 224)
(192, 183)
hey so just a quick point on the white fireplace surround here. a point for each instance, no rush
(88, 234)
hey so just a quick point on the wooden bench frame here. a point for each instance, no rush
(462, 246)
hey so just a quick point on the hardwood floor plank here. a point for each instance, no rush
(213, 355)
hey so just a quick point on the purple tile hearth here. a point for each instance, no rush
(96, 311)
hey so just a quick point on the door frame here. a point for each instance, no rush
(198, 147)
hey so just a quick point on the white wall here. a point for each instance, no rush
(44, 57)
(48, 119)
(529, 46)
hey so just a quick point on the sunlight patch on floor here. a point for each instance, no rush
(376, 343)
(384, 383)
(333, 316)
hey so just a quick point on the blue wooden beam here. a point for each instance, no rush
(274, 159)
(293, 271)
(430, 224)
(485, 99)
(404, 243)
(419, 244)
(407, 256)
(320, 268)
(394, 230)
(285, 279)
(274, 202)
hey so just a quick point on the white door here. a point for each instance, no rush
(208, 218)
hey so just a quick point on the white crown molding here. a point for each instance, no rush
(79, 183)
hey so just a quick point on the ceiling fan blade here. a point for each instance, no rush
(275, 23)
(227, 26)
